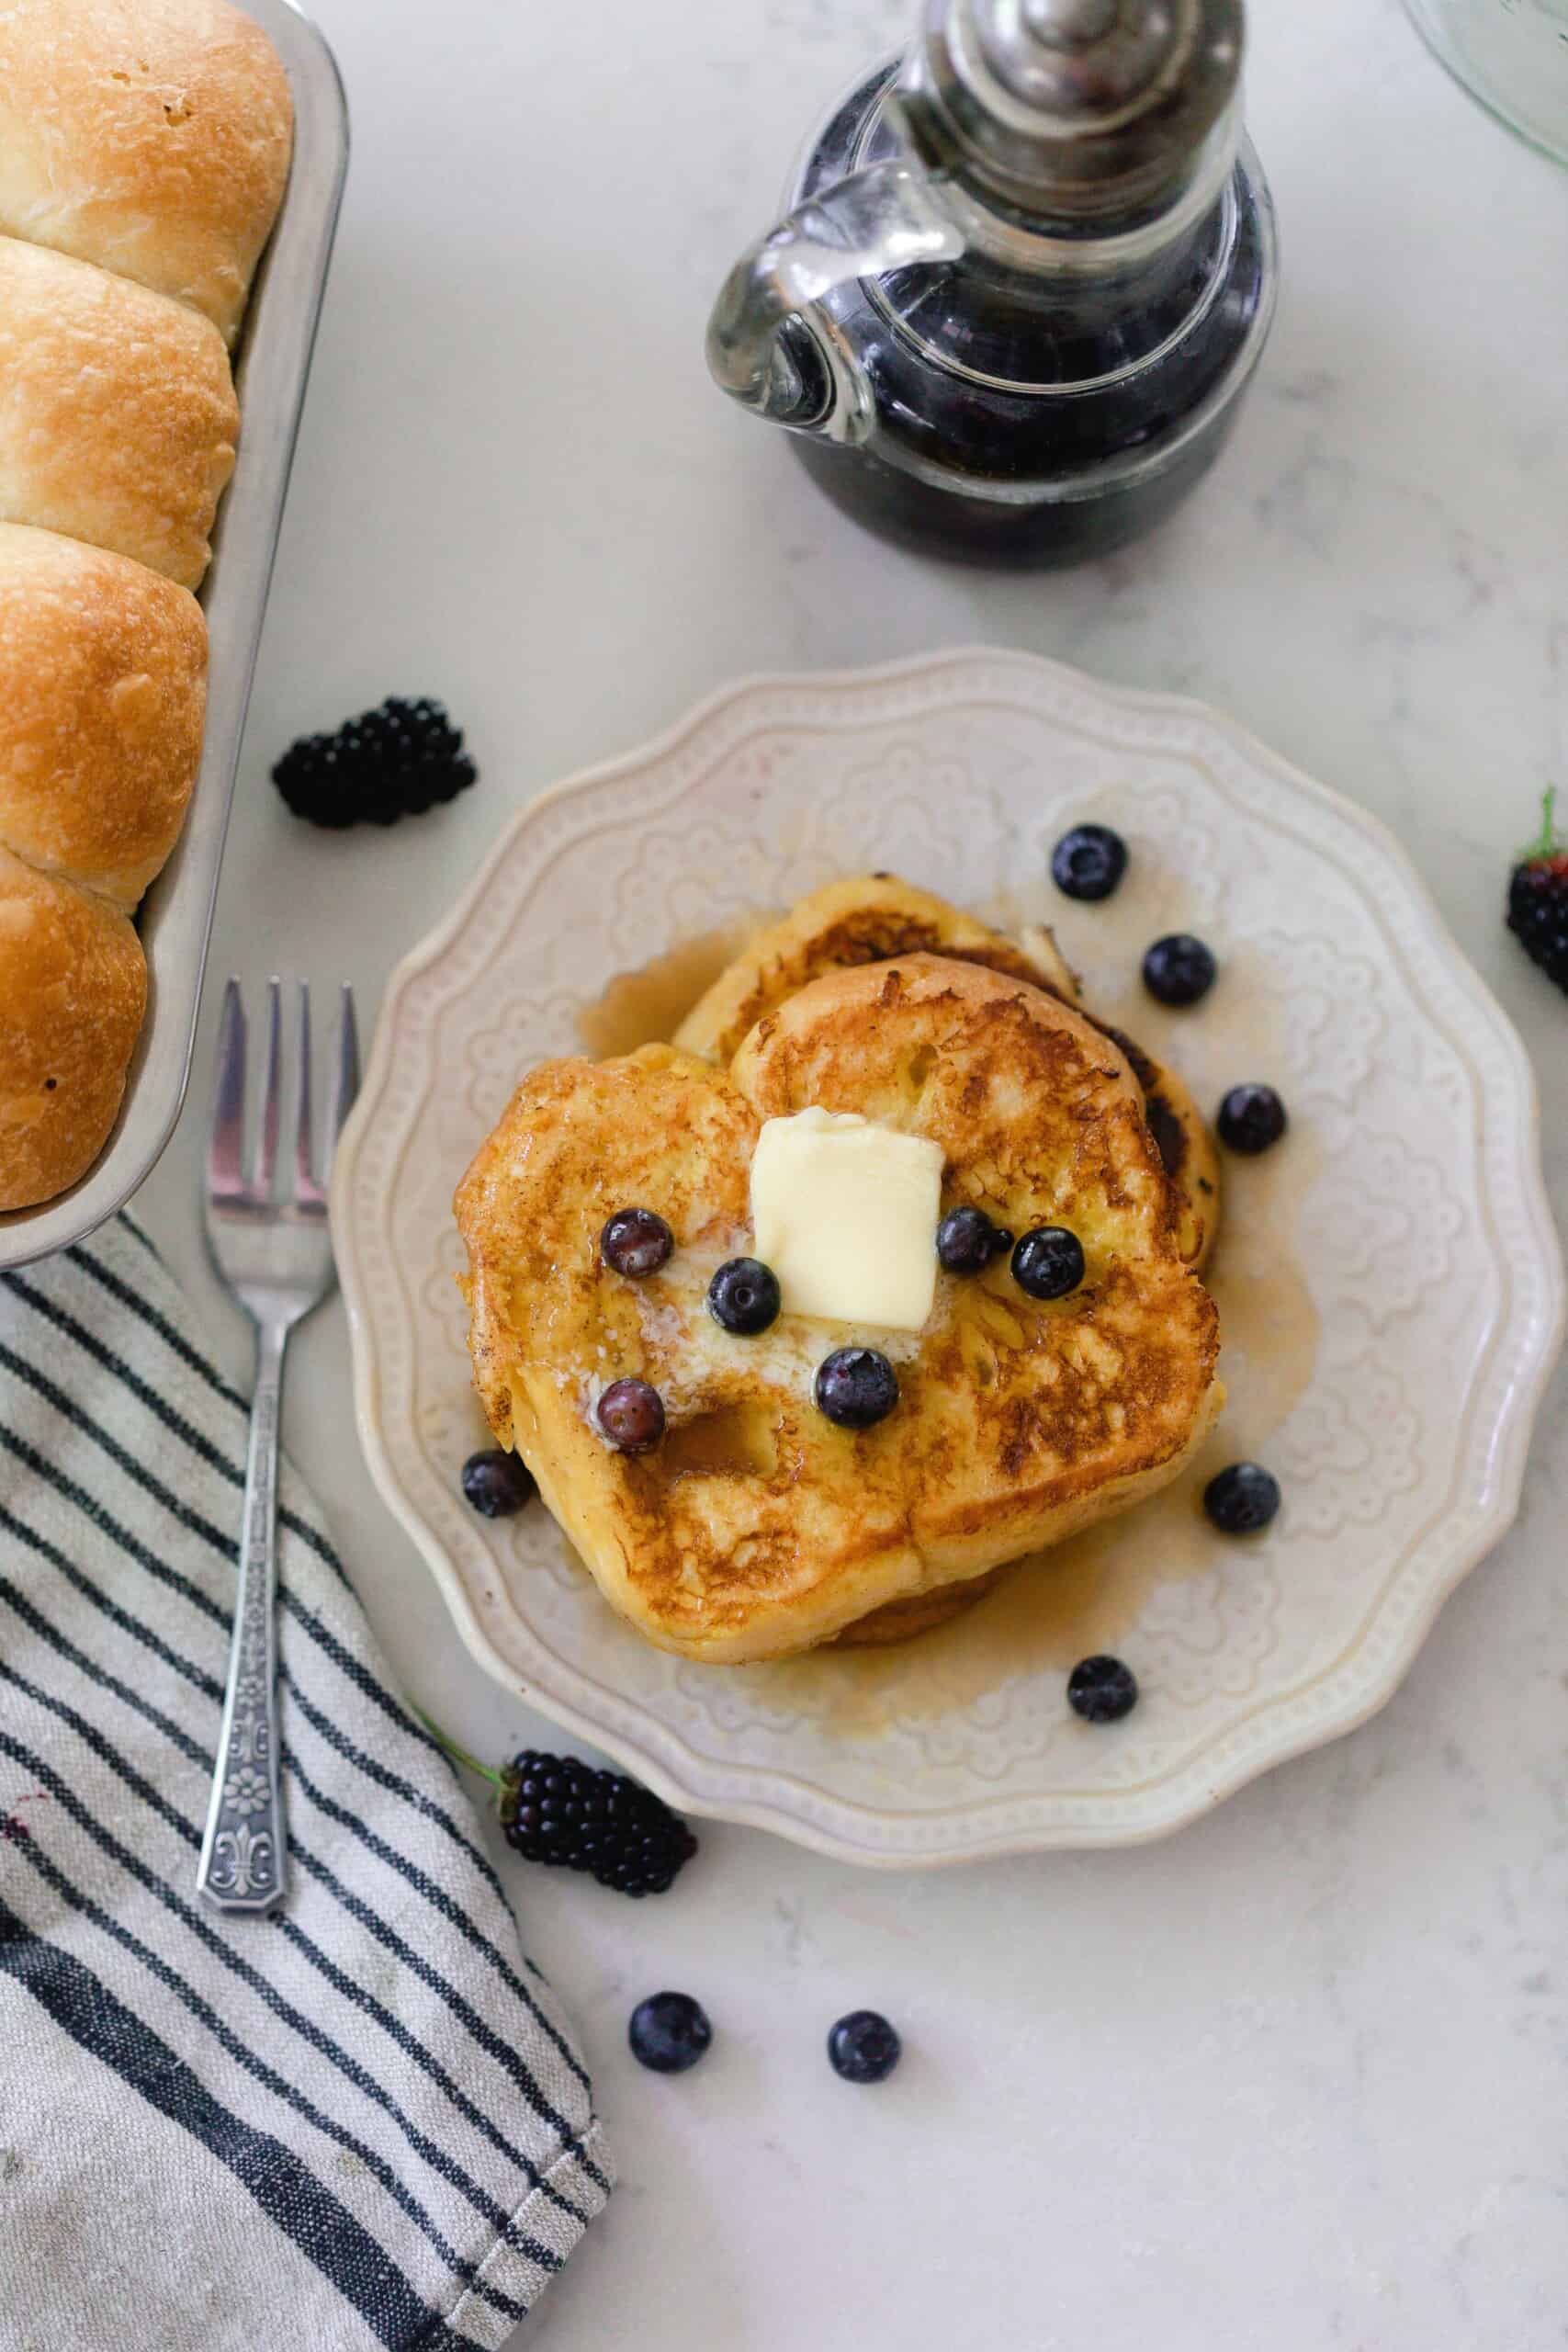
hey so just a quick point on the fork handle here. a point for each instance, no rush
(243, 1864)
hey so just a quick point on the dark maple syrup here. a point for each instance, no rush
(1034, 419)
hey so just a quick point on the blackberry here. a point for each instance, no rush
(391, 763)
(557, 1809)
(1538, 899)
(560, 1810)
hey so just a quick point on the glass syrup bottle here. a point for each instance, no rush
(1027, 272)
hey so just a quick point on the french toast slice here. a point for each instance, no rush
(867, 918)
(864, 919)
(756, 1527)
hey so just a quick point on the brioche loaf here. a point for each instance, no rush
(149, 136)
(144, 145)
(118, 416)
(72, 992)
(103, 674)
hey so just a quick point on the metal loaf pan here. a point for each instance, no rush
(271, 368)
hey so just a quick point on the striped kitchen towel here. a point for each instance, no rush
(360, 2122)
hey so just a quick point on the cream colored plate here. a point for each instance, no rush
(1389, 1281)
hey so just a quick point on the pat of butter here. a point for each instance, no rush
(845, 1212)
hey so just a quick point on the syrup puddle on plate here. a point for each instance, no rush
(647, 1007)
(1087, 1595)
(1059, 1605)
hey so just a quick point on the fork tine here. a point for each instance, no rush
(272, 1099)
(306, 1189)
(225, 1171)
(347, 1064)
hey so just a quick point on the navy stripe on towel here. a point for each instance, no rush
(286, 2191)
(364, 2110)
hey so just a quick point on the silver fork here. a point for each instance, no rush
(277, 1258)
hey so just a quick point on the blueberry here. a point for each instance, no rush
(631, 1415)
(635, 1242)
(966, 1241)
(1048, 1262)
(496, 1483)
(1179, 970)
(669, 2032)
(863, 2047)
(1101, 1690)
(1250, 1118)
(744, 1296)
(856, 1388)
(1088, 862)
(1243, 1499)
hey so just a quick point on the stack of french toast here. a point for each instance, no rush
(764, 1514)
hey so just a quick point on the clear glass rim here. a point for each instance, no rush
(1503, 104)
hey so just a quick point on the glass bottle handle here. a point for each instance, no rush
(772, 347)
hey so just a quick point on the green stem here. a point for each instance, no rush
(459, 1755)
(1547, 845)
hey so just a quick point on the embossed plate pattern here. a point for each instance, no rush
(1390, 1283)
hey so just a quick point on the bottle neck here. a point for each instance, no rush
(1035, 307)
(1038, 244)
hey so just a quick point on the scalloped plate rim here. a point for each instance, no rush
(693, 1784)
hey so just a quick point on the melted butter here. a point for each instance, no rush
(692, 1359)
(845, 1212)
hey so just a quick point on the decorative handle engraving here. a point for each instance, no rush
(243, 1855)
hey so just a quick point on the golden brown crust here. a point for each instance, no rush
(118, 416)
(757, 1527)
(103, 685)
(149, 137)
(72, 991)
(861, 919)
(1187, 1150)
(900, 1620)
(869, 917)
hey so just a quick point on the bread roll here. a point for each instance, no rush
(103, 686)
(118, 416)
(144, 145)
(149, 136)
(72, 991)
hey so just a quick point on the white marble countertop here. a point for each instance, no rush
(1296, 2078)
